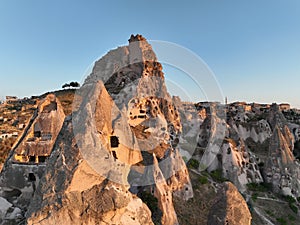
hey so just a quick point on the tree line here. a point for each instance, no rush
(71, 84)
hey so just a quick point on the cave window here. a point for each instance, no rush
(31, 177)
(42, 159)
(114, 154)
(37, 134)
(32, 158)
(114, 141)
(228, 151)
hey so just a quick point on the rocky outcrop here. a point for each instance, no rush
(281, 168)
(239, 165)
(275, 117)
(229, 207)
(72, 192)
(40, 137)
(126, 116)
(164, 195)
(256, 131)
(213, 130)
(27, 162)
(127, 139)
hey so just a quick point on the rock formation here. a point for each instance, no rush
(229, 208)
(239, 165)
(126, 116)
(281, 168)
(212, 133)
(71, 192)
(26, 164)
(127, 139)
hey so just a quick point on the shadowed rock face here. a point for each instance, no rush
(229, 208)
(281, 168)
(275, 117)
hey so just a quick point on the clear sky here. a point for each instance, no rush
(253, 47)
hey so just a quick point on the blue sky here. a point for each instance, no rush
(253, 47)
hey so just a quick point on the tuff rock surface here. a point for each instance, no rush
(229, 207)
(122, 141)
(127, 138)
(27, 162)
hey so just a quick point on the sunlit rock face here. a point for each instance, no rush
(27, 162)
(128, 139)
(72, 192)
(39, 138)
(123, 140)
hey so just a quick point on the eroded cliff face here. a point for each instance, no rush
(128, 139)
(72, 192)
(229, 207)
(282, 170)
(122, 142)
(257, 147)
(239, 165)
(27, 162)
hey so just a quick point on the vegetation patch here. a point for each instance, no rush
(193, 164)
(152, 204)
(281, 221)
(259, 187)
(217, 176)
(203, 180)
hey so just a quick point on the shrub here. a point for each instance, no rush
(293, 208)
(193, 164)
(217, 176)
(254, 196)
(270, 213)
(289, 199)
(281, 221)
(261, 187)
(150, 201)
(291, 218)
(203, 180)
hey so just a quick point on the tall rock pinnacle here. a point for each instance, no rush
(103, 156)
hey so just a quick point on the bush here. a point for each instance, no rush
(203, 180)
(254, 197)
(150, 201)
(290, 199)
(152, 204)
(218, 176)
(193, 164)
(270, 213)
(261, 187)
(291, 218)
(281, 221)
(293, 208)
